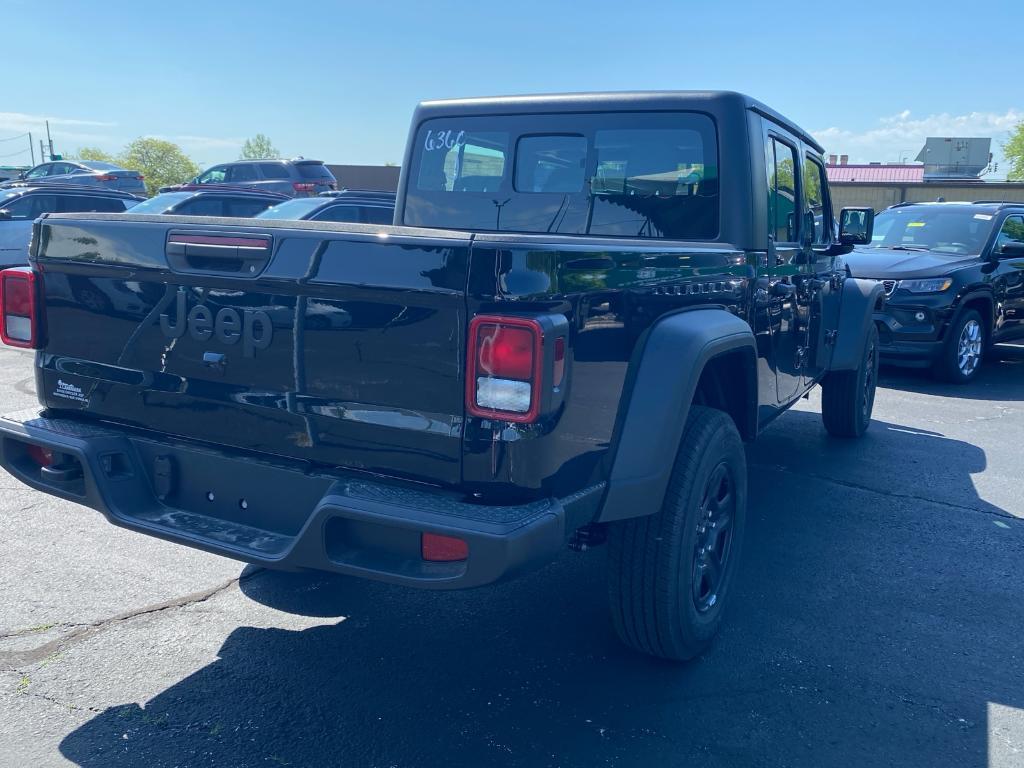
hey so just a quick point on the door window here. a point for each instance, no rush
(213, 176)
(274, 171)
(782, 219)
(816, 200)
(349, 213)
(246, 209)
(1012, 232)
(86, 203)
(201, 206)
(31, 207)
(39, 171)
(237, 173)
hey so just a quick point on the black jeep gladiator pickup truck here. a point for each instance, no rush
(588, 303)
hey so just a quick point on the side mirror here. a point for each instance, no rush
(5, 215)
(856, 226)
(23, 174)
(1012, 249)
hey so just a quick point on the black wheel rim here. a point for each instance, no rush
(714, 538)
(870, 370)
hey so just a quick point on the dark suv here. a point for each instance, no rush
(295, 178)
(954, 277)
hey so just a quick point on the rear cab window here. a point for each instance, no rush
(620, 175)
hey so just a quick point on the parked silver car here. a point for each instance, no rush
(86, 172)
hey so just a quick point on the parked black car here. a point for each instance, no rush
(223, 201)
(354, 205)
(86, 172)
(20, 206)
(954, 277)
(294, 178)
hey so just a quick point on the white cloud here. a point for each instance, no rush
(902, 134)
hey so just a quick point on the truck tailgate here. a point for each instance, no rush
(338, 344)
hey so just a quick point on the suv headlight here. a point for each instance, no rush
(930, 285)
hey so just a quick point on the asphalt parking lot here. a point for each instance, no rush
(877, 621)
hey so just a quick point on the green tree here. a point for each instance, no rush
(93, 153)
(1014, 151)
(259, 147)
(161, 162)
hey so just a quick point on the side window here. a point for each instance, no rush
(816, 201)
(339, 213)
(782, 220)
(213, 176)
(201, 206)
(31, 207)
(244, 172)
(246, 209)
(59, 169)
(39, 171)
(274, 171)
(375, 215)
(1012, 231)
(85, 203)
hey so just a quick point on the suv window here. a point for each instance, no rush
(815, 199)
(625, 174)
(31, 207)
(781, 161)
(339, 213)
(274, 171)
(86, 203)
(246, 208)
(1012, 231)
(215, 175)
(314, 171)
(244, 172)
(201, 206)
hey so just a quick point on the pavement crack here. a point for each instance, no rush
(994, 512)
(81, 632)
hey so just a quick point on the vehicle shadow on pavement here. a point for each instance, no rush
(867, 628)
(1000, 378)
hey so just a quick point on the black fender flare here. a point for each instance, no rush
(664, 373)
(856, 314)
(986, 295)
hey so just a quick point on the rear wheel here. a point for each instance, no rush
(848, 397)
(964, 349)
(670, 573)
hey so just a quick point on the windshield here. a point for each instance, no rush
(652, 175)
(161, 203)
(956, 231)
(295, 209)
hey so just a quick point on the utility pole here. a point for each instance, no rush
(31, 149)
(42, 152)
(49, 141)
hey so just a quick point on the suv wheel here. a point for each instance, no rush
(964, 349)
(848, 397)
(670, 572)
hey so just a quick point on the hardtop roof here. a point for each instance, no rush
(613, 101)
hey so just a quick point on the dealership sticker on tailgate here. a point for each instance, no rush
(70, 392)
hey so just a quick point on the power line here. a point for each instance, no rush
(20, 152)
(12, 138)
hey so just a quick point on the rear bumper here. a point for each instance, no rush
(284, 515)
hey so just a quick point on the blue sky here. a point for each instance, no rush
(339, 80)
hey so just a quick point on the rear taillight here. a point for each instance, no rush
(106, 177)
(303, 186)
(19, 308)
(504, 368)
(140, 177)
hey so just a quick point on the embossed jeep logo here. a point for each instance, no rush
(229, 326)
